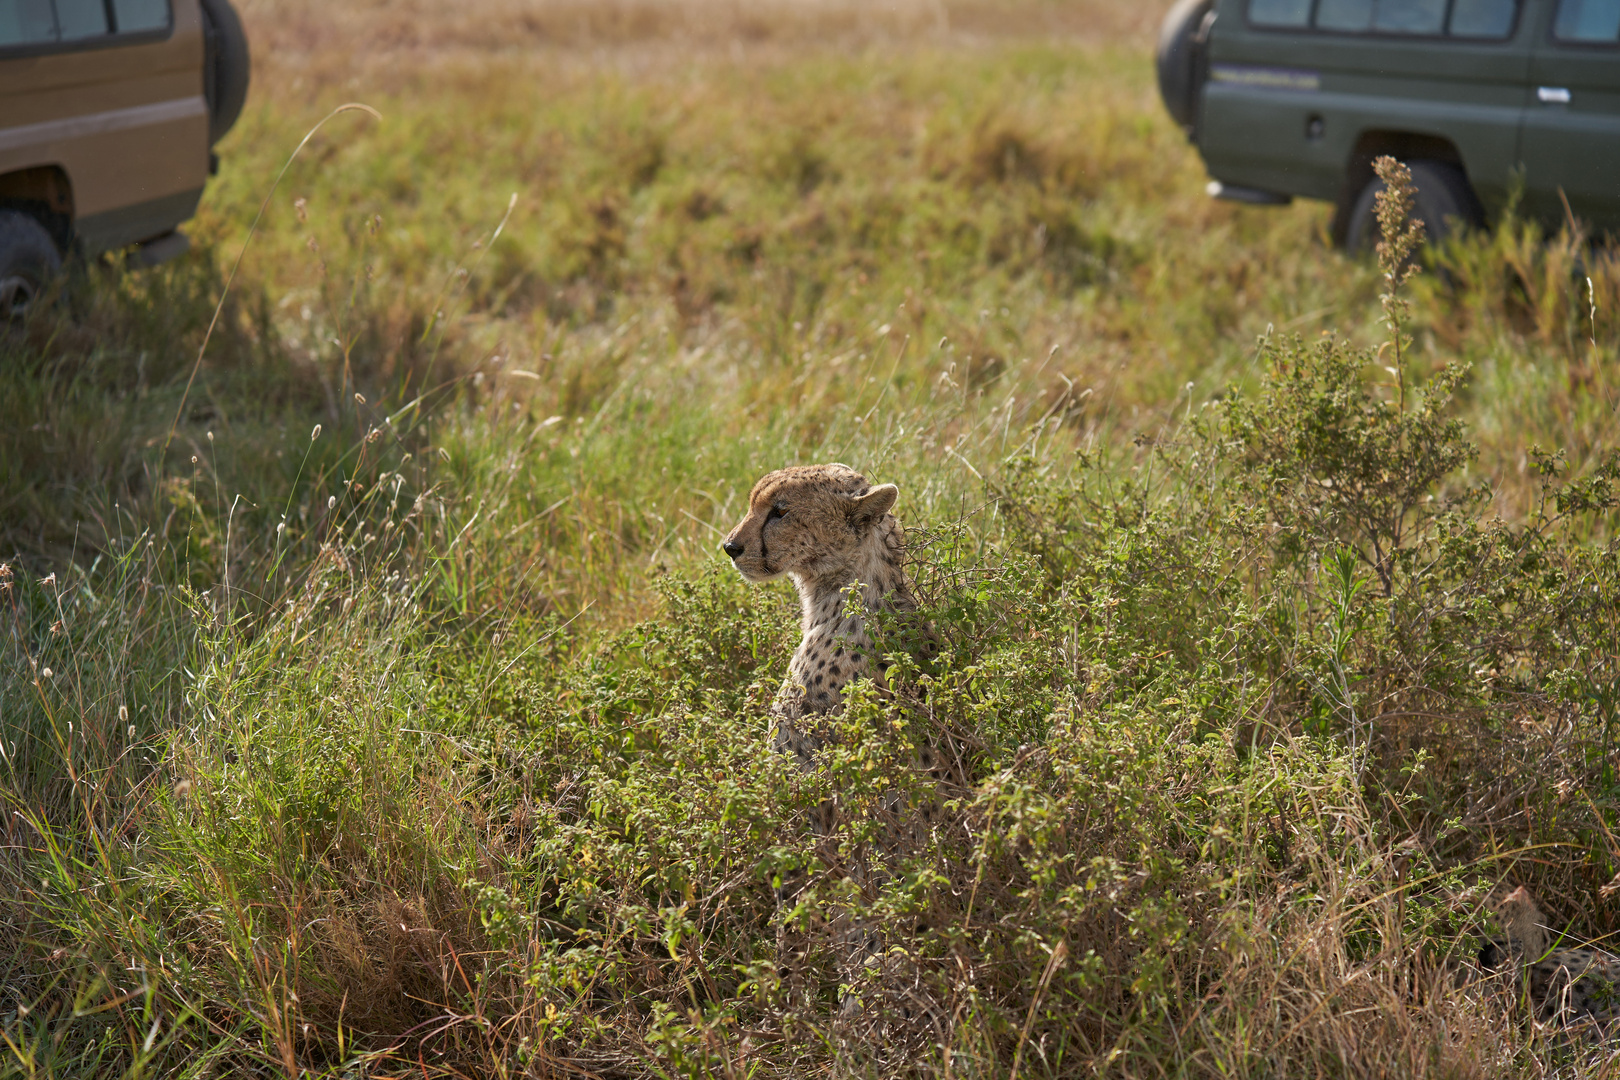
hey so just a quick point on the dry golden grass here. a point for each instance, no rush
(293, 31)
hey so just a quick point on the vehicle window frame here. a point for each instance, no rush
(1573, 43)
(1310, 27)
(110, 40)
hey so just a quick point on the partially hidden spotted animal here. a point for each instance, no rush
(1563, 983)
(829, 531)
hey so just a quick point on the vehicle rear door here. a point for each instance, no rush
(1571, 139)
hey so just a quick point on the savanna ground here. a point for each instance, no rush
(374, 700)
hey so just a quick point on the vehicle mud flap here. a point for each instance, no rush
(160, 249)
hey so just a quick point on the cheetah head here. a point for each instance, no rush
(807, 521)
(1522, 920)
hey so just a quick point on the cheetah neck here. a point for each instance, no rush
(1521, 919)
(835, 648)
(877, 567)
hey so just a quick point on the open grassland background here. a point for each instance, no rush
(295, 30)
(376, 702)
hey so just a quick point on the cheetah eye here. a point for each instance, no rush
(776, 512)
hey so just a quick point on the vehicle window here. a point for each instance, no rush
(1588, 21)
(1352, 15)
(1483, 18)
(1384, 16)
(1469, 18)
(1409, 16)
(77, 19)
(136, 15)
(24, 22)
(45, 22)
(1280, 12)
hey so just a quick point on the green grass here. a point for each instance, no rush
(433, 740)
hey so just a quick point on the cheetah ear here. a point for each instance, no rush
(869, 509)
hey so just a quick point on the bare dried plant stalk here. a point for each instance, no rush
(1400, 236)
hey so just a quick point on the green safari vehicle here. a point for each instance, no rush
(1296, 98)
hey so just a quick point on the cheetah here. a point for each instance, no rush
(1563, 983)
(829, 531)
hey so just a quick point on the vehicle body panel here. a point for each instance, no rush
(1471, 93)
(123, 118)
(1302, 111)
(1571, 141)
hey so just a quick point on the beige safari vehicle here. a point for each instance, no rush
(109, 110)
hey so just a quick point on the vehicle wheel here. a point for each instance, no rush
(28, 259)
(1444, 202)
(226, 66)
(1180, 59)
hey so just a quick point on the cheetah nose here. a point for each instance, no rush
(732, 548)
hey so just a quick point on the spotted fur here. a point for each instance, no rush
(827, 529)
(1563, 984)
(832, 534)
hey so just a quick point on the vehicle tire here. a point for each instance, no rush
(226, 66)
(1181, 59)
(28, 260)
(1444, 201)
